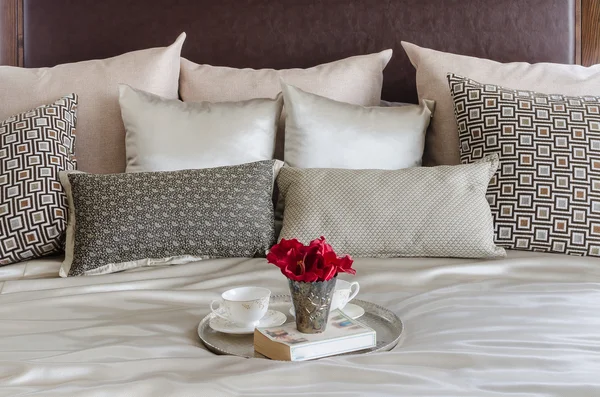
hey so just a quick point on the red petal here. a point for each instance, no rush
(310, 277)
(291, 275)
(329, 273)
(345, 262)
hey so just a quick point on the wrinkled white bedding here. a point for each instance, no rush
(38, 268)
(528, 325)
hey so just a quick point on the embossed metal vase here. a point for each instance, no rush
(312, 302)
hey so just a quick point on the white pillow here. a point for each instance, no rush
(323, 133)
(167, 135)
(356, 80)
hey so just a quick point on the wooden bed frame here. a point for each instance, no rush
(587, 32)
(587, 25)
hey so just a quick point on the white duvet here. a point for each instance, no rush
(528, 325)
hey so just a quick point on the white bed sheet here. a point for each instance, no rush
(47, 267)
(528, 325)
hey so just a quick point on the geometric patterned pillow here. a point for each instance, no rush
(419, 211)
(34, 147)
(546, 193)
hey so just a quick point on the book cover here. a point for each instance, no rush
(342, 335)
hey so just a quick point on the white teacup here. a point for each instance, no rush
(244, 305)
(344, 293)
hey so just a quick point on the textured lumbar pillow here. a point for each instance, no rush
(356, 80)
(323, 133)
(421, 211)
(123, 221)
(432, 66)
(546, 194)
(34, 147)
(100, 134)
(167, 134)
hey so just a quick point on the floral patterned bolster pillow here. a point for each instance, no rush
(123, 221)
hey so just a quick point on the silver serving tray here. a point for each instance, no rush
(385, 323)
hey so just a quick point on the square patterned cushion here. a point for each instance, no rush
(546, 194)
(34, 147)
(420, 211)
(128, 220)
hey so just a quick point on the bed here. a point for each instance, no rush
(524, 325)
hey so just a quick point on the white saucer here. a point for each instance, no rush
(272, 318)
(351, 310)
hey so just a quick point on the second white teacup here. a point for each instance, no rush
(244, 305)
(344, 293)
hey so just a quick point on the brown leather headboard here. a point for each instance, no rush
(301, 33)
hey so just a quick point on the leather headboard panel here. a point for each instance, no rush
(301, 33)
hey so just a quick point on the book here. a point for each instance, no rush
(286, 343)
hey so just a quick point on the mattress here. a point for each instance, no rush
(526, 325)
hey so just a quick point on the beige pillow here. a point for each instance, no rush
(421, 211)
(168, 135)
(323, 133)
(357, 80)
(441, 146)
(100, 142)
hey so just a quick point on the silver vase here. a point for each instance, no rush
(312, 302)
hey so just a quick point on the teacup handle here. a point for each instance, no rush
(353, 294)
(215, 310)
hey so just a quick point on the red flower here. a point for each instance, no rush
(344, 265)
(288, 255)
(314, 262)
